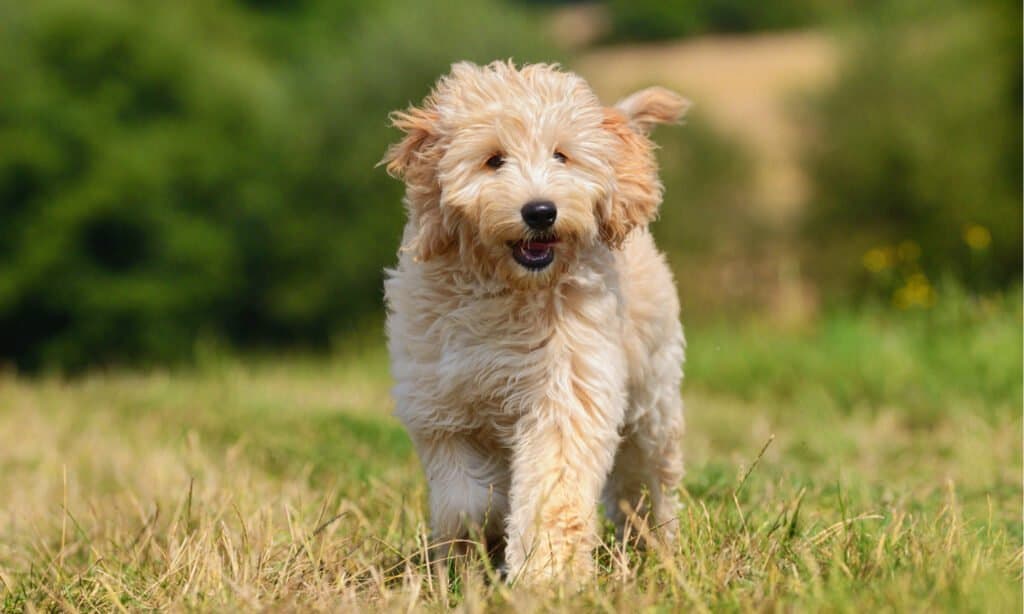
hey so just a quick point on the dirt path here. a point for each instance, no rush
(745, 85)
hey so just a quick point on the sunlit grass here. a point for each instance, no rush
(891, 480)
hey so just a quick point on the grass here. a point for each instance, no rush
(872, 461)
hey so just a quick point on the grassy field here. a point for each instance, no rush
(871, 461)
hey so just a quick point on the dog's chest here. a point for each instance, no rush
(506, 353)
(471, 357)
(495, 348)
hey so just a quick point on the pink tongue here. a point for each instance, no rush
(537, 247)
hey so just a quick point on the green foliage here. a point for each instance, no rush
(655, 19)
(186, 169)
(708, 214)
(917, 157)
(708, 185)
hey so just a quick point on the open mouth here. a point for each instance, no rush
(535, 254)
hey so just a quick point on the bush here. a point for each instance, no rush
(654, 19)
(916, 164)
(708, 190)
(170, 171)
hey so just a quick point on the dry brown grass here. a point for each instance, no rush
(286, 486)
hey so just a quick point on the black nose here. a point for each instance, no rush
(539, 214)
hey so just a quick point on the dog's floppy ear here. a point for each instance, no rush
(654, 105)
(419, 126)
(414, 159)
(636, 194)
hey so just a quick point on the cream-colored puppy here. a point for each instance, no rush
(533, 326)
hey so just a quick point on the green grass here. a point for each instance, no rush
(870, 461)
(966, 348)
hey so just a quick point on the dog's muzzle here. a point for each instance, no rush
(537, 253)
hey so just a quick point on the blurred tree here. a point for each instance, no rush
(708, 180)
(177, 170)
(917, 157)
(657, 19)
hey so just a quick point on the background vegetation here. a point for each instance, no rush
(171, 173)
(917, 158)
(653, 20)
(176, 170)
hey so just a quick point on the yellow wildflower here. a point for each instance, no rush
(916, 292)
(977, 237)
(877, 259)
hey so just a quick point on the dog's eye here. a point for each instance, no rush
(496, 161)
(561, 157)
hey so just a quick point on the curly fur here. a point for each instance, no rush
(530, 394)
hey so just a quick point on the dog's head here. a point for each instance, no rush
(517, 169)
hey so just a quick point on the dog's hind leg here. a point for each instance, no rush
(643, 485)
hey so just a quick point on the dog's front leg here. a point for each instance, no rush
(560, 462)
(467, 489)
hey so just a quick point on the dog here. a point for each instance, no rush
(533, 326)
